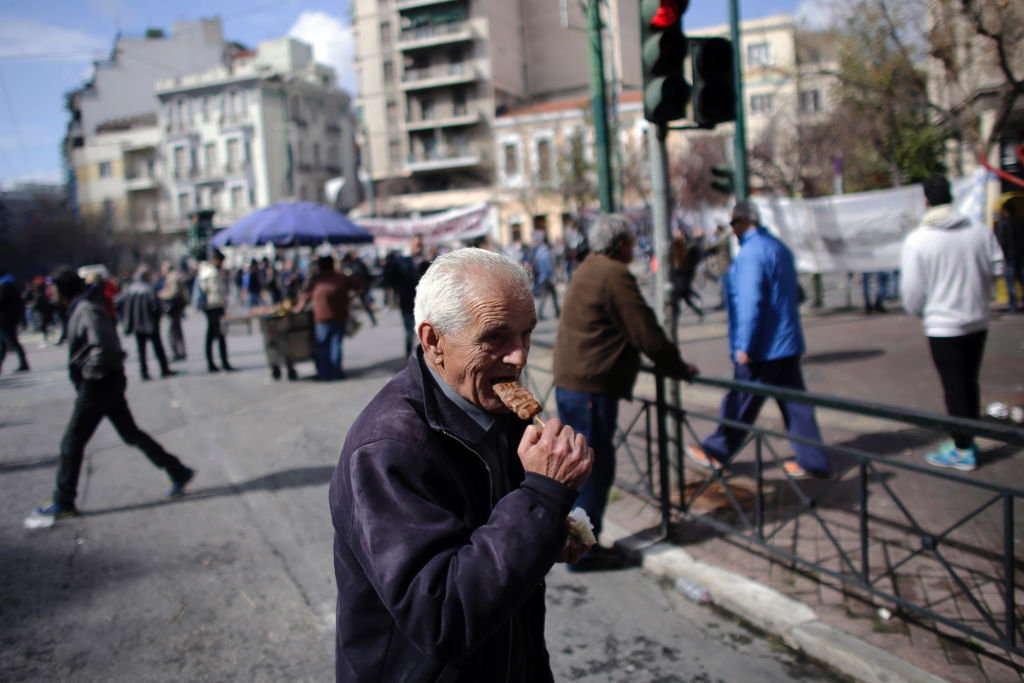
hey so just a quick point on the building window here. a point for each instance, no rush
(426, 108)
(234, 154)
(394, 153)
(179, 163)
(385, 35)
(316, 155)
(511, 160)
(237, 194)
(459, 102)
(389, 73)
(761, 105)
(544, 161)
(810, 101)
(392, 114)
(759, 54)
(184, 204)
(210, 157)
(105, 171)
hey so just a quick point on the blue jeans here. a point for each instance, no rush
(328, 349)
(594, 416)
(743, 407)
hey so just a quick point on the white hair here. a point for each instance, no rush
(442, 293)
(607, 230)
(746, 208)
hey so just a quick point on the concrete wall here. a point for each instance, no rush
(124, 87)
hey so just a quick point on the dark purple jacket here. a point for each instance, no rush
(440, 571)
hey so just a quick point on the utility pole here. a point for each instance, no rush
(740, 136)
(600, 100)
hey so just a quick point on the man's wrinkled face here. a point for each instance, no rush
(492, 348)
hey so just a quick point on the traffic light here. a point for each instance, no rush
(714, 87)
(722, 180)
(663, 51)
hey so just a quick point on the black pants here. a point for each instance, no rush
(215, 331)
(158, 350)
(174, 333)
(958, 360)
(9, 342)
(98, 399)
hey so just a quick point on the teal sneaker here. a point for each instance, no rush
(948, 455)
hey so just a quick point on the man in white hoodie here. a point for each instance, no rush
(211, 297)
(948, 264)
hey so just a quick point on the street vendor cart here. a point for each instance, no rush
(288, 338)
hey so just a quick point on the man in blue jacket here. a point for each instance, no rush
(761, 296)
(448, 510)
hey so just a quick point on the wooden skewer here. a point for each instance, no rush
(537, 418)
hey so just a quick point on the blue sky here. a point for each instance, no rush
(47, 48)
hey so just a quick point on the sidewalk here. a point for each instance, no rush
(877, 358)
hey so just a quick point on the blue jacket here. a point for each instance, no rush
(439, 559)
(761, 297)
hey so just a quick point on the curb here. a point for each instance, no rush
(795, 623)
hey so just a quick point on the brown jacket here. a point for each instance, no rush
(605, 325)
(331, 293)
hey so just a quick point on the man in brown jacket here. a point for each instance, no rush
(606, 324)
(331, 293)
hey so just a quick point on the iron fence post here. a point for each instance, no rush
(1008, 569)
(666, 513)
(864, 564)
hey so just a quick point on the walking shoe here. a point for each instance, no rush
(948, 455)
(56, 510)
(212, 368)
(178, 487)
(794, 470)
(697, 456)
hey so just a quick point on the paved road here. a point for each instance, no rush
(234, 582)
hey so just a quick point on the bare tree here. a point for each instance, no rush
(576, 175)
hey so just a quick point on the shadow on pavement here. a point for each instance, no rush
(286, 479)
(841, 356)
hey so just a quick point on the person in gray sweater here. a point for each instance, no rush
(948, 264)
(96, 366)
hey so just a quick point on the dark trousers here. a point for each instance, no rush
(958, 360)
(1014, 274)
(594, 416)
(9, 342)
(215, 331)
(98, 399)
(409, 321)
(175, 335)
(743, 407)
(158, 350)
(542, 291)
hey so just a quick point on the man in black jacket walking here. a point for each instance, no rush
(12, 314)
(96, 366)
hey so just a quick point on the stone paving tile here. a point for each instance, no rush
(999, 671)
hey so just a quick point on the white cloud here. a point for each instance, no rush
(332, 44)
(34, 39)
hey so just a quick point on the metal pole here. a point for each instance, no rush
(597, 87)
(656, 134)
(740, 137)
(370, 191)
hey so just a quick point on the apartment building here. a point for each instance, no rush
(270, 125)
(113, 140)
(434, 74)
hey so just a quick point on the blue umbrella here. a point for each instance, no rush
(291, 224)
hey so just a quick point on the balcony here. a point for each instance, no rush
(439, 34)
(444, 159)
(438, 76)
(408, 4)
(444, 121)
(140, 182)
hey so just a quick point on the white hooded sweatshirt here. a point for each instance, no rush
(948, 264)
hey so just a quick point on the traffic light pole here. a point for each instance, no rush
(660, 217)
(600, 101)
(740, 137)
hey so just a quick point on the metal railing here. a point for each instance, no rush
(865, 526)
